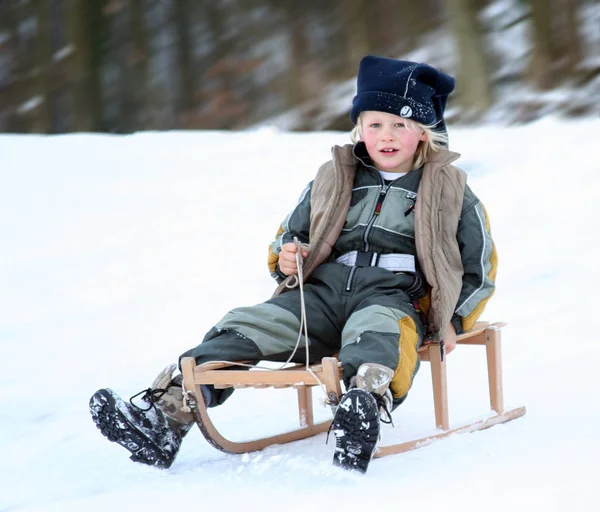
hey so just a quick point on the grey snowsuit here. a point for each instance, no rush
(364, 314)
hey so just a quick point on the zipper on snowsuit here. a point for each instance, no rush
(376, 213)
(374, 216)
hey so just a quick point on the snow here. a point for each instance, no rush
(30, 104)
(120, 252)
(63, 53)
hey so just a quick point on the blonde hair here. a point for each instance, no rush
(435, 141)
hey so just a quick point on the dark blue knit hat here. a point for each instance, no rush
(407, 89)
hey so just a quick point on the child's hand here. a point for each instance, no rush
(450, 339)
(287, 258)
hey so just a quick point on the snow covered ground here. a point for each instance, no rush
(119, 252)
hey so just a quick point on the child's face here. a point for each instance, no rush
(391, 145)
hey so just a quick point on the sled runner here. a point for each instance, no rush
(328, 374)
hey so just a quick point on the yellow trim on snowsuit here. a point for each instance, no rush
(273, 258)
(407, 363)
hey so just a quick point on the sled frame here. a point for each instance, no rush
(329, 373)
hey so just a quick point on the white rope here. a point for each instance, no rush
(297, 280)
(303, 318)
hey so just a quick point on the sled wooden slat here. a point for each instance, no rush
(329, 373)
(393, 449)
(277, 377)
(440, 389)
(305, 406)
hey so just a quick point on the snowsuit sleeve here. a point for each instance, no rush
(297, 223)
(480, 262)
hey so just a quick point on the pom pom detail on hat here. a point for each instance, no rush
(407, 89)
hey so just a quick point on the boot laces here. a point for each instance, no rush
(384, 407)
(150, 396)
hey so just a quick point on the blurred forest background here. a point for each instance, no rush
(127, 65)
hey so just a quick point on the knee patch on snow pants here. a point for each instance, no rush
(380, 332)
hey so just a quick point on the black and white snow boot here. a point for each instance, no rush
(357, 421)
(356, 428)
(146, 433)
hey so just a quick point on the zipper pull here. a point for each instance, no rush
(410, 209)
(380, 202)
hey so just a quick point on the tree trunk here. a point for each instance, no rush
(139, 61)
(184, 58)
(44, 122)
(541, 62)
(417, 19)
(23, 88)
(11, 93)
(357, 33)
(392, 36)
(79, 66)
(337, 69)
(221, 88)
(119, 55)
(297, 57)
(97, 27)
(86, 27)
(473, 85)
(572, 39)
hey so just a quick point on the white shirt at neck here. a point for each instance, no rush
(391, 176)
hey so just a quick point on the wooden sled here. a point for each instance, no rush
(329, 374)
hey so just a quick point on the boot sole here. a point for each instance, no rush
(356, 428)
(115, 426)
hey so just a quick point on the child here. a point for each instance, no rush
(397, 250)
